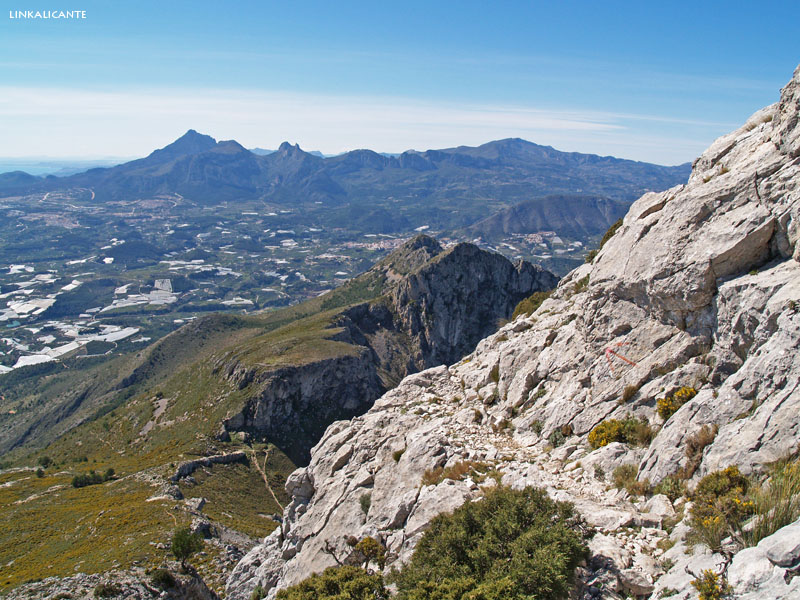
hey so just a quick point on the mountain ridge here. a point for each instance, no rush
(176, 167)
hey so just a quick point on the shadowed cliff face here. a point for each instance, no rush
(437, 304)
(698, 288)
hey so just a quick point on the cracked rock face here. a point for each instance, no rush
(700, 287)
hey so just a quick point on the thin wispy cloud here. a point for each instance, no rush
(138, 121)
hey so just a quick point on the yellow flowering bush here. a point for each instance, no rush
(669, 405)
(629, 430)
(720, 506)
(711, 586)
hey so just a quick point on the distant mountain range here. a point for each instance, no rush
(203, 170)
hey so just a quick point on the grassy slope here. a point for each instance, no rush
(98, 527)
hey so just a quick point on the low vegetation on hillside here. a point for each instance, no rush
(509, 544)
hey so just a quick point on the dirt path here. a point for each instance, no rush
(264, 474)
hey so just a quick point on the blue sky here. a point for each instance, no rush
(636, 80)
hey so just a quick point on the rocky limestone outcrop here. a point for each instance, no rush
(438, 304)
(700, 287)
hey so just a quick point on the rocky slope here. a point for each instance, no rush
(436, 305)
(699, 287)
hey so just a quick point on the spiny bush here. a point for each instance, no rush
(720, 505)
(672, 487)
(338, 583)
(610, 233)
(556, 438)
(365, 501)
(711, 586)
(629, 430)
(580, 285)
(669, 405)
(529, 305)
(162, 579)
(512, 544)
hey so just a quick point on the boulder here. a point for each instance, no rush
(782, 548)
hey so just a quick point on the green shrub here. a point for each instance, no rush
(669, 405)
(185, 543)
(610, 233)
(536, 427)
(338, 583)
(672, 487)
(629, 430)
(580, 285)
(106, 590)
(372, 551)
(258, 593)
(512, 544)
(162, 579)
(606, 236)
(398, 454)
(39, 472)
(90, 478)
(365, 501)
(624, 478)
(556, 438)
(494, 374)
(529, 305)
(44, 461)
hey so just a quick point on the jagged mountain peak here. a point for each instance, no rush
(190, 142)
(288, 148)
